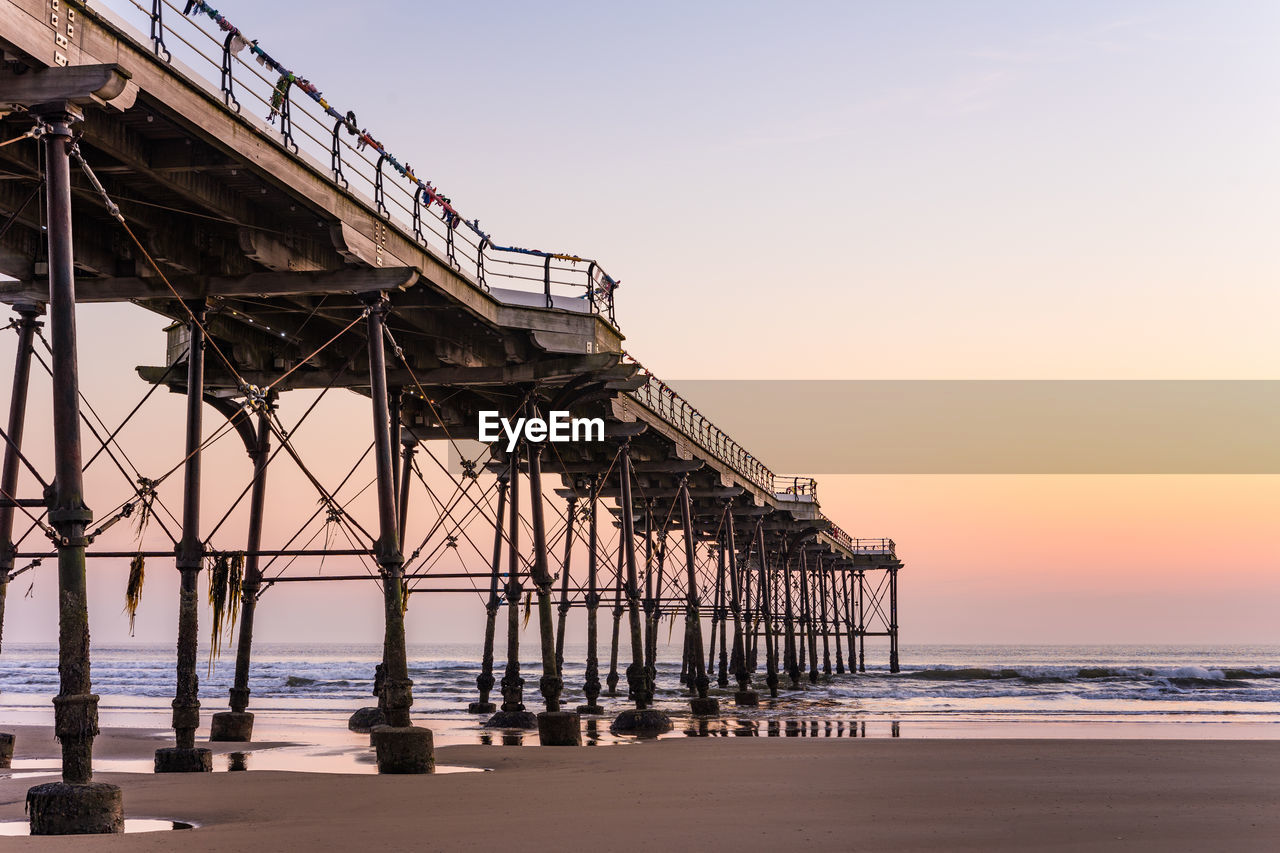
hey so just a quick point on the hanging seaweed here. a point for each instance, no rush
(133, 590)
(528, 607)
(404, 595)
(235, 581)
(219, 574)
(137, 566)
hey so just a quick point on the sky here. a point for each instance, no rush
(933, 190)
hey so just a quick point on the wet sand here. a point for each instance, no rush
(739, 794)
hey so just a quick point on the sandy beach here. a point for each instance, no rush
(740, 794)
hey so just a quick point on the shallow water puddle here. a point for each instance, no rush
(131, 824)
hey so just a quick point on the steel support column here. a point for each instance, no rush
(808, 593)
(401, 747)
(571, 514)
(791, 658)
(893, 620)
(702, 705)
(762, 596)
(591, 683)
(237, 725)
(745, 695)
(513, 713)
(184, 756)
(484, 681)
(76, 804)
(642, 718)
(555, 727)
(27, 325)
(862, 624)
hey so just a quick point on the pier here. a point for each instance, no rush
(172, 162)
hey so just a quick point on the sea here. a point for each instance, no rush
(941, 691)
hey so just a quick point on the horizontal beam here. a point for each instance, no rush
(259, 284)
(545, 371)
(81, 84)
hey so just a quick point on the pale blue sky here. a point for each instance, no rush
(1092, 185)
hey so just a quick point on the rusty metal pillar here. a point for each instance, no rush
(808, 592)
(395, 400)
(650, 603)
(591, 684)
(27, 325)
(642, 717)
(711, 646)
(237, 724)
(408, 449)
(745, 695)
(722, 673)
(76, 804)
(791, 659)
(651, 653)
(512, 714)
(571, 515)
(744, 581)
(846, 579)
(484, 681)
(611, 680)
(893, 620)
(823, 625)
(702, 705)
(184, 756)
(762, 596)
(555, 727)
(837, 596)
(401, 747)
(862, 624)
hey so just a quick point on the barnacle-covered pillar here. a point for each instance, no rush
(562, 610)
(745, 695)
(401, 746)
(27, 325)
(512, 714)
(555, 727)
(484, 681)
(808, 594)
(591, 683)
(76, 804)
(642, 718)
(237, 724)
(185, 756)
(766, 614)
(893, 620)
(702, 705)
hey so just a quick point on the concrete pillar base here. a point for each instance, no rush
(592, 710)
(177, 760)
(233, 726)
(704, 707)
(404, 749)
(512, 720)
(481, 708)
(365, 719)
(559, 728)
(6, 750)
(62, 808)
(650, 721)
(746, 699)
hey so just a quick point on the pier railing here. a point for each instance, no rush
(203, 45)
(661, 399)
(791, 488)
